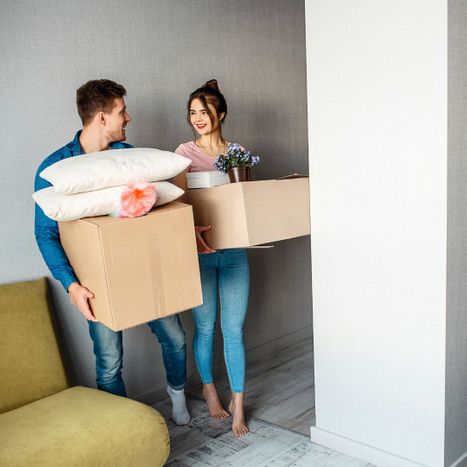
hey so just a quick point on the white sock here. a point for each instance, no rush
(180, 413)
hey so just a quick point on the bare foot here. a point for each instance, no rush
(214, 404)
(239, 427)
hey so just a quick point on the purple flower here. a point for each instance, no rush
(235, 156)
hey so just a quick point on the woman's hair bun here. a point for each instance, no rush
(212, 83)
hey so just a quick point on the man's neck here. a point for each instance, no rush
(91, 141)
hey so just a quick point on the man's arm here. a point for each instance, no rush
(48, 241)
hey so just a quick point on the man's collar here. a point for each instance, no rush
(76, 149)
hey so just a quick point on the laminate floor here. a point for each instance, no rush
(279, 410)
(279, 389)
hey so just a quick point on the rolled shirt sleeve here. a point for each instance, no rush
(48, 241)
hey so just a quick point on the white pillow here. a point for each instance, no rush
(97, 170)
(61, 207)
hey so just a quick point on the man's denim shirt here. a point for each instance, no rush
(46, 229)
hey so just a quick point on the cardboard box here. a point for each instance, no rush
(251, 213)
(206, 179)
(138, 269)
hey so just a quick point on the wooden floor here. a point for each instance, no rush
(280, 389)
(279, 410)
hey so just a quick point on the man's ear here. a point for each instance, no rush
(101, 118)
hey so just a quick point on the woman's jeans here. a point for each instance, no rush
(108, 350)
(225, 276)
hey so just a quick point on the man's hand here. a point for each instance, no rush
(79, 297)
(203, 247)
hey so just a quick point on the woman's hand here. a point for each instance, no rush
(203, 247)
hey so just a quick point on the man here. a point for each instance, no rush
(103, 112)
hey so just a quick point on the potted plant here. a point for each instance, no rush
(236, 162)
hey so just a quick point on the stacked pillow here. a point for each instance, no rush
(91, 184)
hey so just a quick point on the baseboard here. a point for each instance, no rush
(253, 355)
(461, 462)
(360, 451)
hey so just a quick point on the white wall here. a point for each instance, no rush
(377, 101)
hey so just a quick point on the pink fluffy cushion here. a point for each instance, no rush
(137, 199)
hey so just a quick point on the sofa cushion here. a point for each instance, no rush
(30, 362)
(83, 427)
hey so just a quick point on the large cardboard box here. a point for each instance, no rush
(138, 269)
(251, 213)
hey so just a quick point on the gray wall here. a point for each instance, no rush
(160, 50)
(456, 328)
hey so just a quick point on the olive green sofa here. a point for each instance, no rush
(43, 421)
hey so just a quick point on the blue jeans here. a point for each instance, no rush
(225, 276)
(108, 350)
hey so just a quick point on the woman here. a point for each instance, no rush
(224, 273)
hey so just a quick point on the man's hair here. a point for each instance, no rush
(95, 96)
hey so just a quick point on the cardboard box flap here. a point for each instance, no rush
(292, 176)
